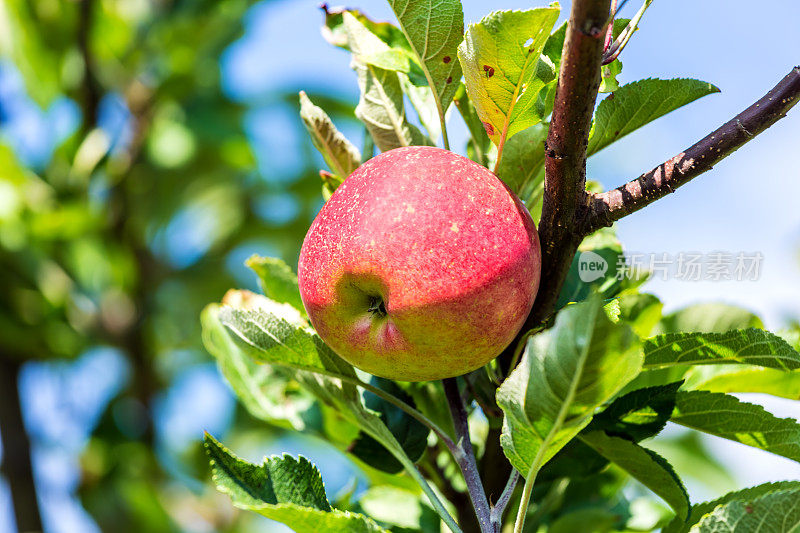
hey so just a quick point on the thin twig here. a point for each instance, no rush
(502, 502)
(613, 50)
(612, 205)
(610, 31)
(465, 457)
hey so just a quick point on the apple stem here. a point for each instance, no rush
(465, 457)
(377, 307)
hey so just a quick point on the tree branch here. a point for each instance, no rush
(612, 205)
(465, 455)
(565, 149)
(17, 465)
(91, 89)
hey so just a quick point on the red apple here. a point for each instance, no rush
(422, 265)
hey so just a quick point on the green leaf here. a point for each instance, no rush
(334, 31)
(709, 318)
(698, 511)
(521, 167)
(381, 107)
(339, 153)
(566, 372)
(642, 311)
(555, 45)
(744, 378)
(285, 489)
(646, 466)
(434, 30)
(727, 417)
(638, 103)
(745, 346)
(608, 82)
(258, 387)
(411, 434)
(277, 280)
(275, 335)
(638, 415)
(285, 340)
(598, 266)
(505, 71)
(576, 460)
(594, 519)
(424, 103)
(774, 512)
(278, 480)
(479, 144)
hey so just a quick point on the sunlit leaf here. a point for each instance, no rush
(434, 30)
(504, 69)
(678, 525)
(258, 387)
(636, 104)
(775, 511)
(277, 280)
(381, 107)
(727, 417)
(339, 153)
(283, 488)
(744, 378)
(744, 346)
(709, 318)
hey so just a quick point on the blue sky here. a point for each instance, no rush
(747, 203)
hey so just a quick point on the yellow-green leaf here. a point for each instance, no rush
(504, 68)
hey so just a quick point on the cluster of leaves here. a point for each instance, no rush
(585, 395)
(588, 394)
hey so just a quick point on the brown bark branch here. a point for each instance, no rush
(90, 88)
(17, 465)
(565, 149)
(612, 205)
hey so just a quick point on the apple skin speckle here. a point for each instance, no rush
(450, 251)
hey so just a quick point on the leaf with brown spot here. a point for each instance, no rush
(504, 77)
(434, 29)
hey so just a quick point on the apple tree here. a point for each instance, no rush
(544, 437)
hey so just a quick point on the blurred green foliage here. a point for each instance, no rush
(123, 236)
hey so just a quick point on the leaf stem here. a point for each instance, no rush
(444, 130)
(500, 147)
(465, 456)
(426, 488)
(530, 479)
(403, 406)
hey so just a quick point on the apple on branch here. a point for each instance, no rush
(422, 265)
